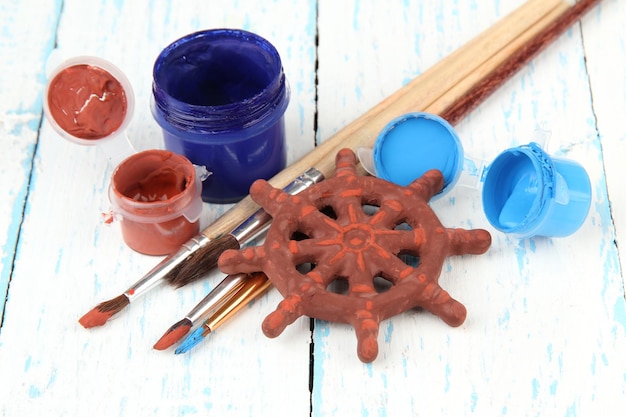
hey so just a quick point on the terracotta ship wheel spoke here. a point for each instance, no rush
(355, 230)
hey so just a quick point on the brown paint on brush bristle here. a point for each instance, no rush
(477, 94)
(101, 313)
(173, 334)
(201, 262)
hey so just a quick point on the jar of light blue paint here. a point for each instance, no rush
(220, 96)
(529, 193)
(414, 143)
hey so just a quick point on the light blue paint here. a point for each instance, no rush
(594, 363)
(446, 386)
(473, 401)
(504, 319)
(27, 363)
(619, 312)
(187, 409)
(34, 392)
(535, 388)
(358, 92)
(355, 16)
(571, 411)
(320, 333)
(57, 266)
(553, 387)
(207, 393)
(520, 254)
(388, 331)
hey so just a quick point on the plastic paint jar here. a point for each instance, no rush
(219, 97)
(529, 193)
(412, 144)
(156, 196)
(89, 101)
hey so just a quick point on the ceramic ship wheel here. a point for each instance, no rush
(332, 228)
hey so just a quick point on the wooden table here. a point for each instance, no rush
(546, 327)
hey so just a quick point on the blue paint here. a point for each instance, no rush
(571, 411)
(619, 312)
(528, 193)
(220, 96)
(473, 401)
(320, 333)
(504, 319)
(388, 331)
(187, 409)
(520, 254)
(553, 387)
(27, 363)
(535, 388)
(34, 392)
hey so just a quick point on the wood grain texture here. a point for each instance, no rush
(546, 327)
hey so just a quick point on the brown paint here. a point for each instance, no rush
(87, 102)
(148, 189)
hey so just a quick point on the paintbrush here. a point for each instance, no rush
(253, 285)
(458, 102)
(199, 252)
(214, 300)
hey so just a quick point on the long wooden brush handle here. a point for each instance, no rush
(471, 98)
(418, 95)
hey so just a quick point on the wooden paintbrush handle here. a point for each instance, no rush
(417, 95)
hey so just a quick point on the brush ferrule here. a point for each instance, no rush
(157, 274)
(217, 297)
(259, 222)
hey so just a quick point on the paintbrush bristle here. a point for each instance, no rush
(173, 334)
(201, 262)
(193, 339)
(104, 311)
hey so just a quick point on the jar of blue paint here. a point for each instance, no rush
(220, 97)
(530, 193)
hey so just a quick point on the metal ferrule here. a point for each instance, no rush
(217, 297)
(156, 274)
(259, 222)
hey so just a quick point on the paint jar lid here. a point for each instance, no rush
(412, 144)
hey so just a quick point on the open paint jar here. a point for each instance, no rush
(89, 101)
(220, 96)
(156, 196)
(525, 191)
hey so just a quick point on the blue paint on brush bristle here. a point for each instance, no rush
(192, 340)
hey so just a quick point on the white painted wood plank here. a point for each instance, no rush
(546, 324)
(605, 49)
(70, 260)
(20, 113)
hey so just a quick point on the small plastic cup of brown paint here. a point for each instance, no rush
(89, 101)
(156, 196)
